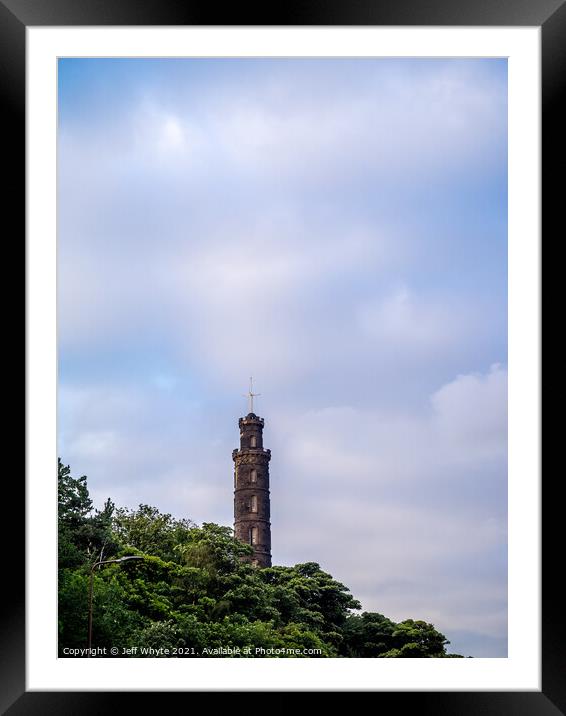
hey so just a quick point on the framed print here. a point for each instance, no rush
(347, 207)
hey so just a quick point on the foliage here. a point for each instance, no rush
(84, 535)
(147, 530)
(194, 593)
(366, 635)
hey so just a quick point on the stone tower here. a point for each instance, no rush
(251, 489)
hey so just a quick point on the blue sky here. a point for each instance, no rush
(338, 230)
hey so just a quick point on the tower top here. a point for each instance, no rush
(251, 419)
(251, 395)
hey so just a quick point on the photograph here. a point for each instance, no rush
(282, 304)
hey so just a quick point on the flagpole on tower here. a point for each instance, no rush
(251, 395)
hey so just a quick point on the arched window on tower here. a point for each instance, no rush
(253, 505)
(253, 476)
(253, 441)
(253, 535)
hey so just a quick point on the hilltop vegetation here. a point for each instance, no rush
(193, 595)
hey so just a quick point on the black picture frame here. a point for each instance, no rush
(550, 16)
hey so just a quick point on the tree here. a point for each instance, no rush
(311, 595)
(150, 531)
(84, 535)
(374, 635)
(416, 639)
(367, 635)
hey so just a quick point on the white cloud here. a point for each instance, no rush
(460, 115)
(95, 444)
(411, 322)
(466, 424)
(471, 414)
(172, 135)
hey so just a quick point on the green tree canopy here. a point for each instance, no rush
(84, 534)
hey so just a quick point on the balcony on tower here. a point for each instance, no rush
(251, 419)
(266, 452)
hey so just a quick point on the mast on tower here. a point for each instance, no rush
(251, 395)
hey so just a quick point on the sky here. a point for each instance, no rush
(336, 228)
